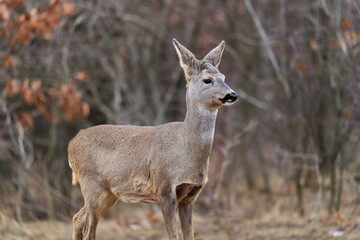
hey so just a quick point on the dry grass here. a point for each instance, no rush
(251, 216)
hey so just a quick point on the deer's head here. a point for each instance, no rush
(206, 84)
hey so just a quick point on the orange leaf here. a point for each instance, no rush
(354, 37)
(11, 88)
(5, 31)
(85, 109)
(36, 85)
(313, 45)
(9, 62)
(46, 32)
(38, 91)
(53, 93)
(82, 76)
(25, 120)
(350, 38)
(300, 67)
(335, 44)
(151, 217)
(24, 35)
(43, 109)
(34, 19)
(68, 8)
(345, 24)
(4, 13)
(53, 3)
(28, 94)
(71, 104)
(13, 4)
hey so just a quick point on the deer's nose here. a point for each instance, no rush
(233, 97)
(230, 98)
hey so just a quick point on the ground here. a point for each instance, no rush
(254, 216)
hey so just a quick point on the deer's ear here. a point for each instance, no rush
(187, 59)
(214, 56)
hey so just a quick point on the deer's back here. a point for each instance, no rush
(98, 147)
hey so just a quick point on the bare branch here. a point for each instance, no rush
(268, 47)
(252, 100)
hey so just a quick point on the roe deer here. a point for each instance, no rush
(165, 164)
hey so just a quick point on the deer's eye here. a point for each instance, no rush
(207, 81)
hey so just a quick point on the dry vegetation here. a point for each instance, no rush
(285, 163)
(252, 216)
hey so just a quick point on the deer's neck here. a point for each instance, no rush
(199, 125)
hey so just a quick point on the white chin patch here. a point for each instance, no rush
(228, 103)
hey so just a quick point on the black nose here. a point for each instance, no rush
(231, 97)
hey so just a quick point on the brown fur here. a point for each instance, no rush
(166, 164)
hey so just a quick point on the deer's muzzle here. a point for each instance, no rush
(229, 98)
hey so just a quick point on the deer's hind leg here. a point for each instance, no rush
(97, 201)
(78, 224)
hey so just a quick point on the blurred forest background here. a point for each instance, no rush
(285, 162)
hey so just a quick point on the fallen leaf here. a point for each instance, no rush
(339, 220)
(151, 217)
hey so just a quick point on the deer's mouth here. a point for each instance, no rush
(229, 99)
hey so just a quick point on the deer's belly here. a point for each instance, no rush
(137, 191)
(136, 199)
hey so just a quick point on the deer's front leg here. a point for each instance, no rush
(167, 206)
(185, 215)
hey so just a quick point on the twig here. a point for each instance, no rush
(235, 140)
(27, 159)
(252, 100)
(319, 178)
(51, 189)
(268, 47)
(290, 155)
(319, 193)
